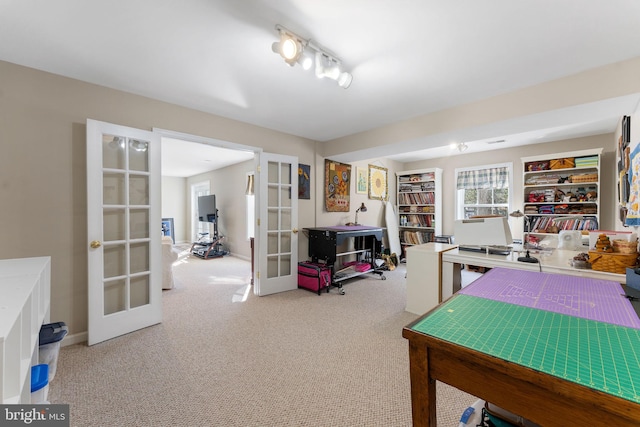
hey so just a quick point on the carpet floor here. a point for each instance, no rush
(225, 357)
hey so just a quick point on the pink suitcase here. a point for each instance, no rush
(314, 277)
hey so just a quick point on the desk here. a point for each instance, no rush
(556, 262)
(552, 368)
(325, 241)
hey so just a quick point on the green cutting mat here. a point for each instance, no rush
(599, 355)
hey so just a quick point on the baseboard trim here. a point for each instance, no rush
(74, 339)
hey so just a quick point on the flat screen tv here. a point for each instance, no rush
(207, 211)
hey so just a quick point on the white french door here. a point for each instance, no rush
(124, 230)
(277, 224)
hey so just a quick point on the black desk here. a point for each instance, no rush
(325, 241)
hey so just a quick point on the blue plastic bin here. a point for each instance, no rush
(39, 383)
(51, 335)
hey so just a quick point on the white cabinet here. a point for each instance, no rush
(561, 192)
(25, 294)
(419, 209)
(425, 288)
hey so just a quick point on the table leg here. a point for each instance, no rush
(423, 387)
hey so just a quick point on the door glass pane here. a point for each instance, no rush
(272, 243)
(272, 196)
(115, 294)
(115, 261)
(272, 174)
(272, 220)
(139, 190)
(285, 219)
(113, 225)
(113, 192)
(285, 242)
(139, 291)
(285, 170)
(272, 266)
(113, 152)
(139, 254)
(285, 196)
(138, 155)
(139, 223)
(285, 265)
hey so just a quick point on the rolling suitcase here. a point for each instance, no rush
(313, 276)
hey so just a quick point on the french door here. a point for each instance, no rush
(124, 230)
(277, 224)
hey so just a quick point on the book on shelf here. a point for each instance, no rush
(417, 237)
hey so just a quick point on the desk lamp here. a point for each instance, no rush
(362, 208)
(527, 257)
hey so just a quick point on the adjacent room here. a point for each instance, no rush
(291, 213)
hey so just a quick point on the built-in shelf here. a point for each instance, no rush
(25, 294)
(561, 191)
(419, 206)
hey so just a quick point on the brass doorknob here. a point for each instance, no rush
(295, 231)
(95, 244)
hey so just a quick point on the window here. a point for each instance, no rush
(483, 190)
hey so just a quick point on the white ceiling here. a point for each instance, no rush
(407, 57)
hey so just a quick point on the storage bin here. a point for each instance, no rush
(565, 163)
(500, 417)
(633, 278)
(51, 335)
(39, 384)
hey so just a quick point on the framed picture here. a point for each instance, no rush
(167, 229)
(361, 180)
(304, 181)
(336, 186)
(378, 185)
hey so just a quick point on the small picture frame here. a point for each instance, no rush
(304, 181)
(167, 229)
(361, 180)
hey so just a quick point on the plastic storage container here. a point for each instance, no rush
(51, 335)
(39, 383)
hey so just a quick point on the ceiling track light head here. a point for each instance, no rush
(290, 46)
(297, 50)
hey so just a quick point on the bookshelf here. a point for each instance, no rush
(419, 206)
(561, 192)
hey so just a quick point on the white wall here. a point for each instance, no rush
(175, 205)
(375, 215)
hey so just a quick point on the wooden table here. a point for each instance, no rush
(486, 347)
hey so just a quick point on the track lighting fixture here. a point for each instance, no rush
(462, 147)
(297, 50)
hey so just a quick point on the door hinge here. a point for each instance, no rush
(258, 222)
(257, 275)
(258, 168)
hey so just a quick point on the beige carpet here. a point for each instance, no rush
(224, 357)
